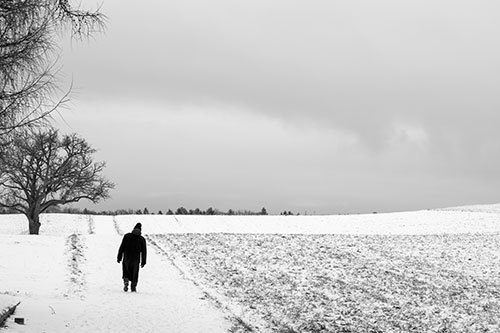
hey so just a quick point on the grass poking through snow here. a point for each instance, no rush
(343, 283)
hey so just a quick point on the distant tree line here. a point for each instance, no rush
(145, 211)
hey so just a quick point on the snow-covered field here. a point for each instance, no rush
(67, 280)
(424, 271)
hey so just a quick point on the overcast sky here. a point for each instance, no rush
(310, 106)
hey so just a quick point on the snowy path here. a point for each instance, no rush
(94, 301)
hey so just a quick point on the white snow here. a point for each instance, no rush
(419, 222)
(59, 294)
(35, 271)
(491, 208)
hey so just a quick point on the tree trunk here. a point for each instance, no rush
(34, 224)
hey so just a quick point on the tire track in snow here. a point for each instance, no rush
(91, 224)
(117, 227)
(239, 324)
(75, 250)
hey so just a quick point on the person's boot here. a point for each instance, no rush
(125, 285)
(134, 285)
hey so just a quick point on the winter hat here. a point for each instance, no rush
(138, 226)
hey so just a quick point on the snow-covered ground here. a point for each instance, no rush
(412, 223)
(67, 278)
(66, 290)
(492, 208)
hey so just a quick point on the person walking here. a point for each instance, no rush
(132, 254)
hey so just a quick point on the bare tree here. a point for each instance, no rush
(29, 90)
(40, 169)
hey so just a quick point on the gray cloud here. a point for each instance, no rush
(329, 59)
(413, 81)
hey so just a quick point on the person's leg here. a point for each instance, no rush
(125, 274)
(134, 276)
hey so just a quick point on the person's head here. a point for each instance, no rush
(137, 229)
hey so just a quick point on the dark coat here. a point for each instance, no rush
(132, 253)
